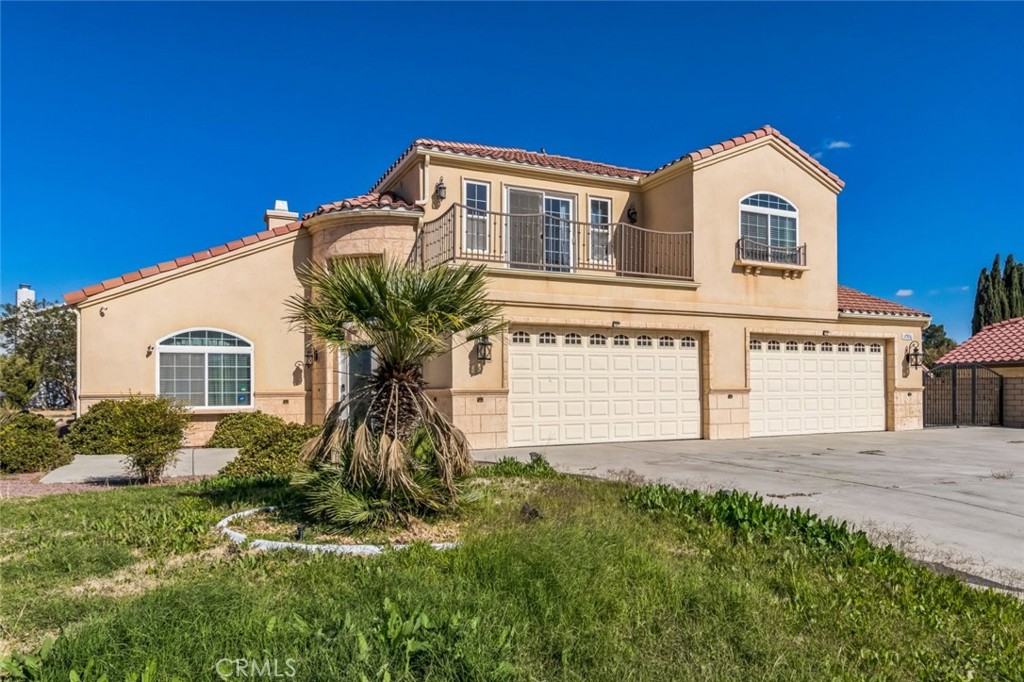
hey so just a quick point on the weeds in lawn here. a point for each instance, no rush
(510, 467)
(1003, 475)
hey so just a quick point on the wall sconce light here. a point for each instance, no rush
(616, 323)
(825, 333)
(484, 349)
(631, 214)
(311, 356)
(440, 191)
(149, 350)
(914, 355)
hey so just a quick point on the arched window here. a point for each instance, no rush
(547, 339)
(621, 340)
(767, 220)
(773, 345)
(205, 368)
(687, 342)
(666, 342)
(843, 348)
(598, 340)
(755, 344)
(643, 341)
(826, 347)
(876, 348)
(520, 338)
(858, 348)
(809, 346)
(573, 339)
(792, 346)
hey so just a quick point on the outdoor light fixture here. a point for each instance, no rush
(914, 355)
(311, 356)
(631, 214)
(483, 349)
(440, 190)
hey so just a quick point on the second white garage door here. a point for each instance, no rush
(800, 386)
(584, 387)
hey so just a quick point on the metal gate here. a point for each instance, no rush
(962, 395)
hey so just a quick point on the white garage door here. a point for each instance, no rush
(584, 387)
(801, 386)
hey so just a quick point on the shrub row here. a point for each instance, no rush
(271, 451)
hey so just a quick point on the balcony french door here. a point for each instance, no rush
(539, 231)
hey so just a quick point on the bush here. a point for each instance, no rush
(239, 430)
(19, 381)
(271, 452)
(100, 431)
(148, 430)
(29, 442)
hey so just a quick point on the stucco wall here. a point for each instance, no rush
(243, 292)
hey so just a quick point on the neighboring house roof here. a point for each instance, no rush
(997, 343)
(763, 131)
(568, 163)
(857, 302)
(372, 201)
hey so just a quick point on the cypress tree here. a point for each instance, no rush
(981, 305)
(1000, 304)
(1013, 281)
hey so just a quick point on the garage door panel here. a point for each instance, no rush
(562, 393)
(800, 388)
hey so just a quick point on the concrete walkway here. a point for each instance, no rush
(111, 468)
(951, 496)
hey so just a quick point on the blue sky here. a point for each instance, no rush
(134, 133)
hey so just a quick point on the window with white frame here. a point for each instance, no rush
(478, 197)
(205, 368)
(768, 220)
(600, 230)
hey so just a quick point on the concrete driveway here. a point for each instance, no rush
(953, 497)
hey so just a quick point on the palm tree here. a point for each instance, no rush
(386, 452)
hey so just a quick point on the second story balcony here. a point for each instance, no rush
(552, 242)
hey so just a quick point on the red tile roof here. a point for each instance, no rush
(853, 301)
(80, 295)
(373, 201)
(999, 342)
(764, 131)
(515, 155)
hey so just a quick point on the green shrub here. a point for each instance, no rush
(29, 442)
(239, 430)
(274, 452)
(148, 430)
(100, 431)
(155, 429)
(19, 381)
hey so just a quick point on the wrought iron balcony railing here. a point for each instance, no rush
(553, 243)
(754, 251)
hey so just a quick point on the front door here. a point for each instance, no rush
(353, 376)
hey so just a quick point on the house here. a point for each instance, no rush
(697, 300)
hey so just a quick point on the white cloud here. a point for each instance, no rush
(965, 288)
(838, 144)
(905, 292)
(818, 155)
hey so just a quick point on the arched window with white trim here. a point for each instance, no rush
(768, 227)
(205, 368)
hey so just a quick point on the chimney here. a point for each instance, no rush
(26, 294)
(279, 215)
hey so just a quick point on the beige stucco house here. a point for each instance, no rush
(698, 300)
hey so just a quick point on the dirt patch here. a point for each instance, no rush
(143, 576)
(272, 526)
(28, 485)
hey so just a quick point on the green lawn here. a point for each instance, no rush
(612, 582)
